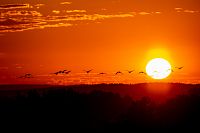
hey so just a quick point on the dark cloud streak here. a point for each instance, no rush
(14, 6)
(10, 22)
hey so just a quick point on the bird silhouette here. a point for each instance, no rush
(88, 71)
(56, 73)
(68, 72)
(130, 71)
(179, 68)
(27, 75)
(119, 72)
(142, 72)
(60, 72)
(102, 73)
(63, 71)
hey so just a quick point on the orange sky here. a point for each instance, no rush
(42, 37)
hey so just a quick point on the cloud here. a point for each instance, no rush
(15, 6)
(55, 11)
(144, 13)
(66, 3)
(29, 20)
(190, 11)
(39, 5)
(22, 17)
(101, 16)
(10, 22)
(76, 11)
(157, 12)
(178, 8)
(15, 13)
(56, 25)
(185, 10)
(87, 17)
(11, 25)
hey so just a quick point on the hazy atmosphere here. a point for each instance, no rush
(100, 66)
(105, 36)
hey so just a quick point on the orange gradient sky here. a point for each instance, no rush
(42, 37)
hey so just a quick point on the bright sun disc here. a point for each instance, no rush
(158, 68)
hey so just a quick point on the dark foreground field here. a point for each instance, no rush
(156, 107)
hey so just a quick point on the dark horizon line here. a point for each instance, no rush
(100, 84)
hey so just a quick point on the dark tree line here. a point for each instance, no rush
(99, 111)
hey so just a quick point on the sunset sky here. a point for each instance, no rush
(44, 36)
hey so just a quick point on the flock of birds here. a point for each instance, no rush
(62, 72)
(28, 75)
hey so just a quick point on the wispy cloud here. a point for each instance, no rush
(21, 17)
(22, 13)
(144, 13)
(66, 3)
(101, 16)
(10, 22)
(147, 13)
(39, 5)
(179, 9)
(15, 6)
(190, 11)
(13, 25)
(55, 11)
(29, 20)
(87, 17)
(55, 25)
(157, 12)
(76, 11)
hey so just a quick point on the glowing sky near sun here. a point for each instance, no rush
(42, 37)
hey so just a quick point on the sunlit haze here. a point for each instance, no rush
(110, 38)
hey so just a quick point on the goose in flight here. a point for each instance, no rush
(60, 72)
(27, 75)
(56, 73)
(68, 72)
(179, 68)
(119, 72)
(130, 71)
(102, 73)
(142, 72)
(63, 71)
(88, 71)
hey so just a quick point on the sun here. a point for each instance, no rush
(158, 68)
